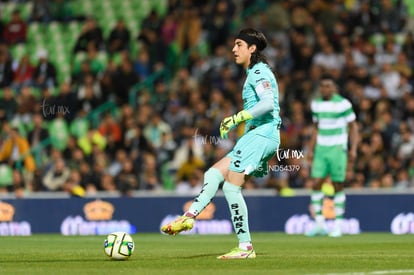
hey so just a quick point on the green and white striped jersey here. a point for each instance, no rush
(332, 118)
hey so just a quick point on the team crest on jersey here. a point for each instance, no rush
(266, 84)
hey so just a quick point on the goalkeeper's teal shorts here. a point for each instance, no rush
(254, 149)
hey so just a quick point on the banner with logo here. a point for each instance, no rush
(9, 226)
(78, 216)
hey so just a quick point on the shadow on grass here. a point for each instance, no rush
(216, 255)
(201, 256)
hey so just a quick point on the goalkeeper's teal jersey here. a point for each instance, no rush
(260, 74)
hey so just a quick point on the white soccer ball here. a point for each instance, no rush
(119, 245)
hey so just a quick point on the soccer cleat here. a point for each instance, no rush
(336, 233)
(238, 253)
(182, 223)
(316, 231)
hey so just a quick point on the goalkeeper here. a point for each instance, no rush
(251, 152)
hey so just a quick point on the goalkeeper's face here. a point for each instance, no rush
(242, 52)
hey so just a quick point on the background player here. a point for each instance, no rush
(333, 117)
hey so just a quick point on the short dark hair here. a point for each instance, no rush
(327, 76)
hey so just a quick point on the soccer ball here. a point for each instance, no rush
(119, 245)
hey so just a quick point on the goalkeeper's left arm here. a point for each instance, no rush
(263, 106)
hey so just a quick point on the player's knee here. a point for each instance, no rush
(214, 173)
(317, 184)
(229, 188)
(338, 186)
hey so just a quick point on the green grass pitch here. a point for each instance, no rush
(277, 253)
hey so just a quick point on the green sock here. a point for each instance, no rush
(339, 202)
(317, 201)
(238, 210)
(212, 180)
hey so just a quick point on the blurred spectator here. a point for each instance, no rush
(8, 104)
(189, 167)
(189, 30)
(107, 87)
(73, 184)
(169, 28)
(375, 90)
(95, 58)
(18, 184)
(119, 38)
(64, 102)
(134, 140)
(402, 65)
(176, 116)
(155, 129)
(90, 33)
(61, 10)
(87, 98)
(108, 183)
(160, 96)
(156, 47)
(99, 166)
(71, 145)
(88, 182)
(15, 149)
(152, 22)
(57, 176)
(39, 133)
(76, 159)
(125, 78)
(16, 30)
(127, 178)
(6, 70)
(40, 11)
(91, 139)
(408, 46)
(149, 177)
(218, 24)
(115, 166)
(365, 18)
(23, 74)
(191, 186)
(27, 105)
(45, 72)
(408, 112)
(327, 58)
(141, 64)
(405, 148)
(85, 176)
(111, 130)
(78, 75)
(2, 27)
(392, 15)
(402, 179)
(390, 79)
(89, 84)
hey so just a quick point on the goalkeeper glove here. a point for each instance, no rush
(230, 122)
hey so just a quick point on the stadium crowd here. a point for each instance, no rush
(169, 133)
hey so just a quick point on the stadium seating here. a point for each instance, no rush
(59, 38)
